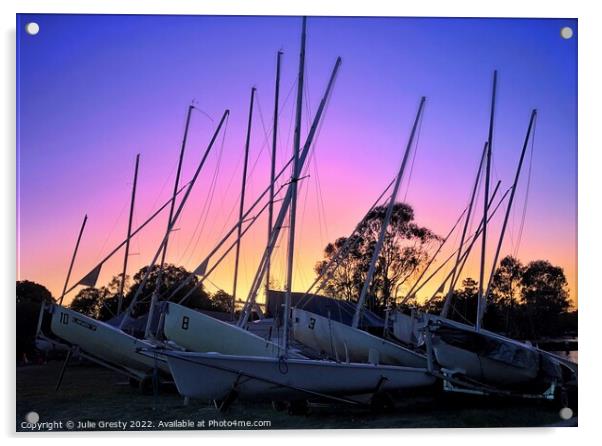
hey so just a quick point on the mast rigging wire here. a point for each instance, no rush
(529, 175)
(414, 152)
(347, 246)
(207, 204)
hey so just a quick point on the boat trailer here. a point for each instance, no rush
(455, 381)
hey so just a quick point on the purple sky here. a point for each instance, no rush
(95, 90)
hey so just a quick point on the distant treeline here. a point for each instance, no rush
(526, 301)
(101, 303)
(176, 283)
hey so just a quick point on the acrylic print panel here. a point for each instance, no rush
(230, 222)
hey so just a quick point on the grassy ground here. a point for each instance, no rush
(94, 394)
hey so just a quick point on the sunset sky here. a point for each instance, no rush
(93, 91)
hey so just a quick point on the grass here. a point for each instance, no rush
(92, 394)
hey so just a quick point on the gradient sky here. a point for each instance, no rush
(95, 90)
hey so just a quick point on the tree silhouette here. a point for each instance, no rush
(526, 302)
(464, 302)
(346, 280)
(545, 296)
(221, 301)
(109, 296)
(88, 301)
(404, 251)
(32, 292)
(29, 296)
(172, 277)
(506, 291)
(101, 303)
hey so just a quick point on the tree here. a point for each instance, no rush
(109, 297)
(526, 302)
(29, 296)
(506, 289)
(464, 303)
(545, 297)
(344, 282)
(28, 291)
(101, 303)
(88, 301)
(171, 278)
(221, 301)
(404, 251)
(507, 281)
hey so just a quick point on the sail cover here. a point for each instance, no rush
(338, 310)
(490, 347)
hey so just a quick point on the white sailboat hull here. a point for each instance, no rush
(212, 376)
(349, 344)
(479, 367)
(485, 356)
(407, 328)
(103, 342)
(198, 332)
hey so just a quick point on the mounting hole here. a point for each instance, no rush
(566, 32)
(32, 28)
(32, 417)
(566, 413)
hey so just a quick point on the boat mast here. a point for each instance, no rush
(242, 201)
(278, 223)
(470, 243)
(294, 180)
(155, 295)
(480, 302)
(204, 263)
(177, 182)
(327, 273)
(410, 293)
(79, 237)
(177, 213)
(387, 219)
(92, 275)
(450, 291)
(207, 272)
(273, 167)
(129, 236)
(508, 209)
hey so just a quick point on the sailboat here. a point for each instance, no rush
(216, 376)
(482, 356)
(409, 328)
(101, 342)
(212, 376)
(236, 338)
(94, 340)
(345, 343)
(337, 339)
(199, 332)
